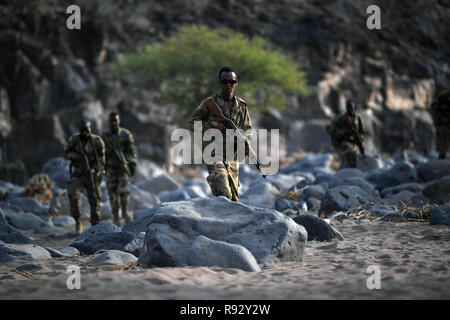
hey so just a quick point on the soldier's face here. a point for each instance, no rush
(114, 123)
(85, 132)
(228, 82)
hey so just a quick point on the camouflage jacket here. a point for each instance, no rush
(239, 114)
(94, 148)
(123, 143)
(340, 129)
(440, 109)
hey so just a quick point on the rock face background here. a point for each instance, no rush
(51, 77)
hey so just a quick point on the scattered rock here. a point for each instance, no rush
(260, 188)
(140, 224)
(161, 183)
(177, 195)
(368, 163)
(439, 190)
(136, 245)
(196, 192)
(433, 169)
(114, 257)
(344, 198)
(25, 221)
(284, 204)
(58, 170)
(348, 173)
(317, 228)
(403, 196)
(402, 172)
(2, 217)
(267, 234)
(64, 222)
(29, 267)
(316, 191)
(70, 251)
(208, 252)
(9, 234)
(440, 215)
(394, 217)
(27, 204)
(55, 253)
(9, 252)
(104, 235)
(311, 163)
(140, 198)
(412, 186)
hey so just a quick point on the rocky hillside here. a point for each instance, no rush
(50, 77)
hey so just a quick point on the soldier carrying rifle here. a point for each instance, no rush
(86, 152)
(120, 166)
(347, 134)
(224, 111)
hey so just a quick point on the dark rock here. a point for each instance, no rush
(433, 169)
(402, 172)
(269, 235)
(440, 215)
(177, 195)
(27, 204)
(25, 221)
(9, 252)
(9, 234)
(316, 191)
(317, 228)
(104, 235)
(311, 163)
(114, 257)
(439, 190)
(284, 204)
(58, 170)
(136, 245)
(208, 252)
(161, 183)
(344, 198)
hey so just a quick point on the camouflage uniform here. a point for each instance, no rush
(343, 141)
(222, 174)
(79, 179)
(440, 110)
(117, 179)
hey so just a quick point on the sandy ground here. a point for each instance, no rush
(414, 261)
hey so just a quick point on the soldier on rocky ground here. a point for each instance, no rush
(223, 175)
(86, 152)
(120, 166)
(440, 111)
(347, 133)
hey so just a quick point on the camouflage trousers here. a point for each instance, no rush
(442, 141)
(117, 183)
(75, 187)
(348, 153)
(221, 177)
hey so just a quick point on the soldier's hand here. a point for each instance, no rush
(221, 127)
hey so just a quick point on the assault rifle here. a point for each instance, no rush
(87, 168)
(121, 160)
(229, 124)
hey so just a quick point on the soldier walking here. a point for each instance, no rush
(223, 175)
(86, 152)
(440, 111)
(120, 166)
(347, 133)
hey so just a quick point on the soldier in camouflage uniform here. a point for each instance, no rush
(81, 145)
(440, 110)
(343, 131)
(120, 166)
(223, 176)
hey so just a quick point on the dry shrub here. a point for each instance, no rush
(40, 187)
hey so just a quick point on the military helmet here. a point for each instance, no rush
(84, 124)
(350, 106)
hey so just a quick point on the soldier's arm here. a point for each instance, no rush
(201, 114)
(130, 149)
(69, 151)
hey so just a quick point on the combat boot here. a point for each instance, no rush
(78, 227)
(127, 216)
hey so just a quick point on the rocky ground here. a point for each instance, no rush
(309, 232)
